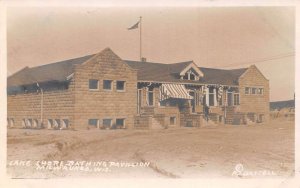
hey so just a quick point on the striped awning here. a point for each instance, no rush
(177, 91)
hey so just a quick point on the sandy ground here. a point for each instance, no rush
(264, 150)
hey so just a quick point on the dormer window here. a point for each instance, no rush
(191, 72)
(190, 75)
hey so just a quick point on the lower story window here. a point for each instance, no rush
(236, 99)
(50, 123)
(93, 122)
(107, 123)
(120, 123)
(150, 97)
(65, 123)
(10, 122)
(229, 99)
(35, 123)
(172, 120)
(57, 123)
(29, 123)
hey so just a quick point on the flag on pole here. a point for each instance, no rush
(135, 26)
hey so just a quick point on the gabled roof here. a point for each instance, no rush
(50, 72)
(146, 71)
(222, 76)
(157, 71)
(170, 73)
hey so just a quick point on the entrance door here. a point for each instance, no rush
(193, 101)
(139, 100)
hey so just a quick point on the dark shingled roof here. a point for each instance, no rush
(50, 72)
(170, 73)
(146, 72)
(221, 76)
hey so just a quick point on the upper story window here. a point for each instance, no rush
(254, 91)
(93, 84)
(107, 84)
(247, 90)
(260, 91)
(120, 86)
(190, 75)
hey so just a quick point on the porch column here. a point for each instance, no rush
(207, 96)
(215, 97)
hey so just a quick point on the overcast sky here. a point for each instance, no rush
(212, 37)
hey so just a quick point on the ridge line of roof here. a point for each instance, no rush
(61, 61)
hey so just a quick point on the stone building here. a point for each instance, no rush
(104, 91)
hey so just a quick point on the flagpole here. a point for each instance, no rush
(140, 38)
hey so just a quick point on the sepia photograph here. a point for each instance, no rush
(150, 92)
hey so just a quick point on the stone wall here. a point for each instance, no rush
(57, 104)
(254, 103)
(100, 103)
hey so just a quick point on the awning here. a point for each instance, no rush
(177, 91)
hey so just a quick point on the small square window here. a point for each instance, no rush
(120, 85)
(93, 122)
(253, 91)
(93, 84)
(247, 90)
(120, 123)
(107, 123)
(172, 120)
(107, 84)
(260, 91)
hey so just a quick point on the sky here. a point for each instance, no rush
(216, 37)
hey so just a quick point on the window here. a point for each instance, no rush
(260, 91)
(236, 99)
(150, 97)
(65, 123)
(50, 123)
(57, 123)
(172, 120)
(192, 77)
(107, 123)
(247, 90)
(120, 123)
(120, 85)
(107, 84)
(35, 123)
(93, 122)
(11, 122)
(93, 84)
(211, 96)
(253, 91)
(29, 123)
(24, 123)
(229, 98)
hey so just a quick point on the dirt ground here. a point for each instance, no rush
(264, 150)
